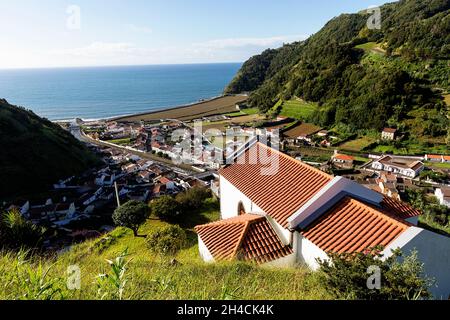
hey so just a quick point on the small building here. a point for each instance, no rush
(433, 158)
(410, 168)
(443, 195)
(342, 160)
(389, 134)
(159, 190)
(297, 214)
(323, 134)
(170, 185)
(437, 158)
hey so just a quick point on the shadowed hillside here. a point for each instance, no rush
(36, 153)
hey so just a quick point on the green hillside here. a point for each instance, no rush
(364, 79)
(149, 276)
(36, 153)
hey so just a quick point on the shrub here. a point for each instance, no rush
(167, 241)
(193, 198)
(131, 215)
(165, 208)
(17, 232)
(402, 278)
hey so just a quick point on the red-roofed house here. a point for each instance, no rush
(170, 185)
(389, 134)
(437, 158)
(279, 211)
(342, 160)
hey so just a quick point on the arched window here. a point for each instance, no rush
(241, 209)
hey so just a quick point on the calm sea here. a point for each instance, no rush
(92, 93)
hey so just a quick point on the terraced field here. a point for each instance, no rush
(297, 109)
(220, 105)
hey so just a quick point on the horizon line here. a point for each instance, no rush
(117, 66)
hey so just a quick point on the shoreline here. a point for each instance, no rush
(156, 111)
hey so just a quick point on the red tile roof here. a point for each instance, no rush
(249, 237)
(282, 193)
(165, 180)
(399, 209)
(352, 226)
(344, 157)
(261, 244)
(390, 130)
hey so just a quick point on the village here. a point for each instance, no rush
(80, 207)
(143, 160)
(207, 148)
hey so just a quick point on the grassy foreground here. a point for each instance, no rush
(151, 277)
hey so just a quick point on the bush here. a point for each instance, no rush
(16, 232)
(167, 241)
(131, 215)
(165, 208)
(192, 199)
(402, 278)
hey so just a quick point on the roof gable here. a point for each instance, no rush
(352, 226)
(280, 187)
(399, 208)
(249, 237)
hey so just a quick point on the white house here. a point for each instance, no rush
(437, 158)
(443, 195)
(278, 211)
(389, 134)
(406, 167)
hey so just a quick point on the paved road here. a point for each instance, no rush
(75, 130)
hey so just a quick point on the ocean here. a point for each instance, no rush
(104, 92)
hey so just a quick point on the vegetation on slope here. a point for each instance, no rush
(366, 79)
(36, 153)
(122, 266)
(149, 275)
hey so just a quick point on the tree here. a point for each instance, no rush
(167, 241)
(165, 208)
(401, 278)
(193, 198)
(131, 215)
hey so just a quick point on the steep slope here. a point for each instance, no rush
(35, 153)
(365, 79)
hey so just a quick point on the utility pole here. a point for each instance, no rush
(117, 194)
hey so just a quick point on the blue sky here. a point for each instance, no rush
(46, 33)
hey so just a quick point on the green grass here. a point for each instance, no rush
(427, 222)
(438, 165)
(121, 142)
(367, 46)
(358, 144)
(362, 159)
(410, 148)
(244, 112)
(151, 277)
(297, 109)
